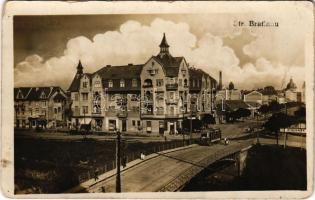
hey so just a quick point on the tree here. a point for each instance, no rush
(208, 119)
(300, 115)
(231, 86)
(277, 121)
(274, 106)
(239, 113)
(264, 109)
(196, 124)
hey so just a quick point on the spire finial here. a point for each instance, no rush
(79, 68)
(164, 42)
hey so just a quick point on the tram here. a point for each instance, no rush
(210, 136)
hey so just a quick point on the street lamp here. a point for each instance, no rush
(118, 183)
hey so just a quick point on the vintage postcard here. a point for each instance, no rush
(185, 99)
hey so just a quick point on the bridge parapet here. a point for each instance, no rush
(188, 174)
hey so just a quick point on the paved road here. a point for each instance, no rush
(152, 174)
(228, 130)
(292, 140)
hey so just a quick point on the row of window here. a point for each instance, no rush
(160, 82)
(37, 110)
(97, 84)
(134, 83)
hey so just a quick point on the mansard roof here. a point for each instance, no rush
(120, 72)
(23, 90)
(36, 93)
(195, 73)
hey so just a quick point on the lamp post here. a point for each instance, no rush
(190, 127)
(257, 132)
(118, 183)
(285, 133)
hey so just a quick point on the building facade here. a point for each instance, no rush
(39, 107)
(253, 96)
(153, 97)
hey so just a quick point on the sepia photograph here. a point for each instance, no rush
(173, 99)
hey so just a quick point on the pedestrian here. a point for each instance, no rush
(124, 161)
(96, 174)
(142, 156)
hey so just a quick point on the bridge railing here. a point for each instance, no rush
(184, 177)
(93, 173)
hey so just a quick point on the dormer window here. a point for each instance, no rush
(122, 83)
(42, 96)
(152, 72)
(110, 83)
(20, 95)
(84, 84)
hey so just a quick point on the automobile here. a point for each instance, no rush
(248, 130)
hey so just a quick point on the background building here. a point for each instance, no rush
(39, 107)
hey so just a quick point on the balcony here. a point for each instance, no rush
(171, 86)
(96, 113)
(173, 115)
(160, 112)
(147, 86)
(122, 114)
(172, 101)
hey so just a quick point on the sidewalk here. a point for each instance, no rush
(111, 173)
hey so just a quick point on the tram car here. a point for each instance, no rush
(210, 136)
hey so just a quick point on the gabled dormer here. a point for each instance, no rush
(43, 95)
(19, 95)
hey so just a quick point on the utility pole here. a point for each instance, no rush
(190, 132)
(84, 123)
(118, 183)
(285, 133)
(257, 132)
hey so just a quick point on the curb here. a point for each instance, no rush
(132, 164)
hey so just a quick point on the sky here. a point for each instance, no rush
(47, 49)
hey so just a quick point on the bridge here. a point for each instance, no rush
(168, 171)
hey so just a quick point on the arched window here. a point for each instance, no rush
(148, 83)
(148, 95)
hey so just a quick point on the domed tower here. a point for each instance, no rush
(291, 85)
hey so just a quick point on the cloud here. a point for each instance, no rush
(135, 43)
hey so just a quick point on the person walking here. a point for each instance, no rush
(96, 174)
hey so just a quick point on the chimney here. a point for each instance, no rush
(130, 64)
(220, 80)
(108, 65)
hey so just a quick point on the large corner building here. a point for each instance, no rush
(153, 97)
